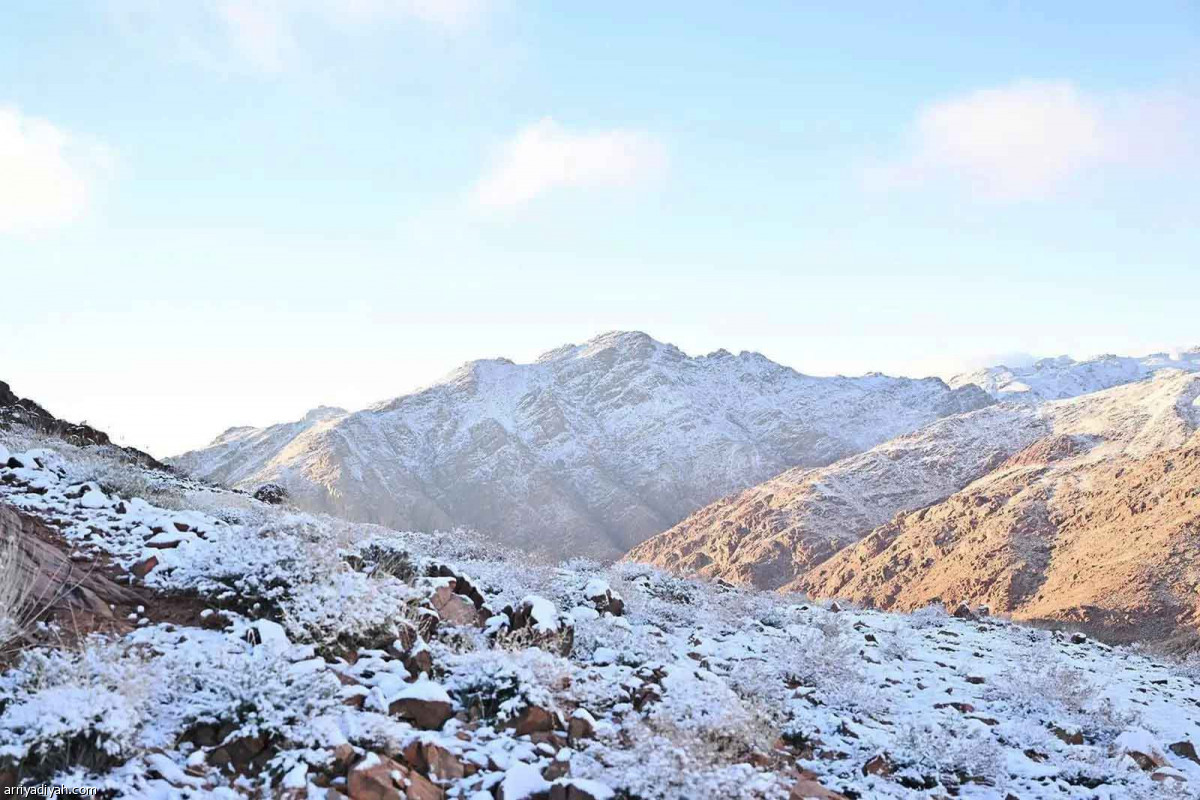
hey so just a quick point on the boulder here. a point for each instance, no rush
(425, 704)
(533, 719)
(378, 777)
(437, 762)
(582, 725)
(453, 608)
(271, 493)
(807, 787)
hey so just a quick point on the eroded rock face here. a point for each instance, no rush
(56, 586)
(587, 451)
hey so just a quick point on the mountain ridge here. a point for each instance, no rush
(587, 450)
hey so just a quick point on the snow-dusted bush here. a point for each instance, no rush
(931, 750)
(678, 767)
(1061, 696)
(60, 709)
(496, 685)
(256, 690)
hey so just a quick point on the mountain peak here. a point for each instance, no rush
(324, 412)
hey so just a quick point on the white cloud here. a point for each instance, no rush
(47, 175)
(1032, 138)
(545, 156)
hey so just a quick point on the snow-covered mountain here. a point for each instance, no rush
(773, 533)
(587, 451)
(1082, 509)
(1063, 377)
(1095, 524)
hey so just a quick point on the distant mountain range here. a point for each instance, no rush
(585, 452)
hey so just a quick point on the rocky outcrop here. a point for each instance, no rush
(24, 413)
(587, 451)
(52, 585)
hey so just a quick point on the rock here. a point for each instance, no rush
(377, 777)
(143, 568)
(579, 789)
(807, 787)
(1068, 737)
(454, 608)
(1168, 775)
(878, 765)
(271, 493)
(1184, 749)
(582, 725)
(436, 761)
(533, 719)
(1078, 638)
(835, 606)
(602, 597)
(425, 704)
(964, 612)
(975, 679)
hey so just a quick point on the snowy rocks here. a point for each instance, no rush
(271, 493)
(603, 598)
(1141, 746)
(581, 726)
(535, 622)
(963, 611)
(436, 761)
(807, 787)
(425, 704)
(246, 754)
(377, 777)
(534, 719)
(579, 789)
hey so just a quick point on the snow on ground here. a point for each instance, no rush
(336, 655)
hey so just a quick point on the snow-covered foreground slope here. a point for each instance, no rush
(587, 451)
(1063, 377)
(284, 654)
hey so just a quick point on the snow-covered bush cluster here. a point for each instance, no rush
(330, 657)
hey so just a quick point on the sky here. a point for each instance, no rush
(227, 212)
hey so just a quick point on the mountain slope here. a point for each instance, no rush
(1096, 524)
(587, 451)
(1063, 377)
(772, 533)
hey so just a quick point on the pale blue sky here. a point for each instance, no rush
(229, 211)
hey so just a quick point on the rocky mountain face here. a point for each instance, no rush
(1095, 523)
(1063, 377)
(587, 451)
